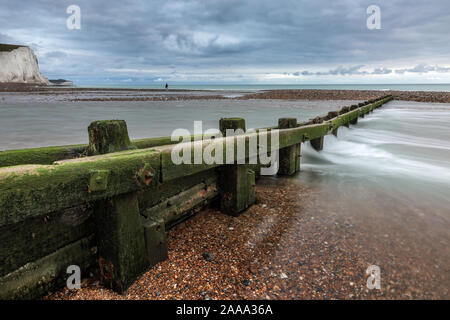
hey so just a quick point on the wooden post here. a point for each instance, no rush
(155, 240)
(317, 143)
(289, 156)
(335, 132)
(236, 181)
(354, 121)
(108, 136)
(120, 239)
(122, 254)
(299, 155)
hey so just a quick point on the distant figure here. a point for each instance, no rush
(167, 86)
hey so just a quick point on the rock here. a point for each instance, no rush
(246, 282)
(253, 269)
(283, 276)
(208, 257)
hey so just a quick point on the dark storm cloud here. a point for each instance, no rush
(167, 37)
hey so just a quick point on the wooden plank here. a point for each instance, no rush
(121, 245)
(32, 190)
(46, 155)
(37, 278)
(36, 237)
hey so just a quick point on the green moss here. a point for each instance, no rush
(285, 123)
(231, 123)
(36, 237)
(108, 136)
(45, 155)
(120, 240)
(38, 189)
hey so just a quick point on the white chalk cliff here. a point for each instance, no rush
(21, 66)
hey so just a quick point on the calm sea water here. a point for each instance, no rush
(27, 122)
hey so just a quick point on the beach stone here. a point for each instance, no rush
(208, 257)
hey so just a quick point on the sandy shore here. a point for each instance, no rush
(290, 245)
(111, 94)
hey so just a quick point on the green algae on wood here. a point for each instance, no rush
(45, 155)
(32, 190)
(107, 136)
(120, 239)
(231, 124)
(236, 181)
(36, 237)
(48, 155)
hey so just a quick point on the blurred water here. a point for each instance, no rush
(400, 153)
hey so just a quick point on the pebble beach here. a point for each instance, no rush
(290, 245)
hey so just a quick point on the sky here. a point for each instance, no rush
(234, 41)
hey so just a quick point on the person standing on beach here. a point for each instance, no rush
(167, 86)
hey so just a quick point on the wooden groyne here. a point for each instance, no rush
(108, 204)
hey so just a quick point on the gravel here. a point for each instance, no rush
(301, 249)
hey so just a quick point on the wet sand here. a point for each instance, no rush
(295, 243)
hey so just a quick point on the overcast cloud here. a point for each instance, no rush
(252, 41)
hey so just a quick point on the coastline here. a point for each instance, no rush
(76, 94)
(290, 245)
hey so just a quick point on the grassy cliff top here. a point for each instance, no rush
(8, 47)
